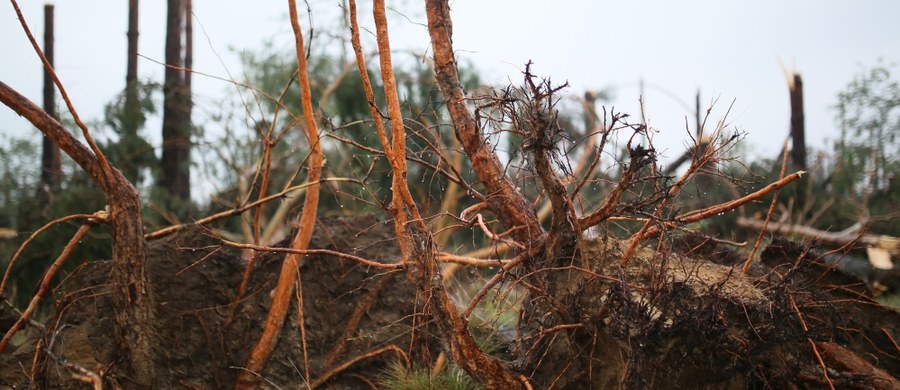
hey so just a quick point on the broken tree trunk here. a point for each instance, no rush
(798, 135)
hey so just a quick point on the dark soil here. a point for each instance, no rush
(195, 282)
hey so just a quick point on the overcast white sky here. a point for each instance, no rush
(726, 49)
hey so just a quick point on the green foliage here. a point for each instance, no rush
(867, 156)
(132, 154)
(19, 175)
(344, 114)
(26, 207)
(398, 377)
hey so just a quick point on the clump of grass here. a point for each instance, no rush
(398, 377)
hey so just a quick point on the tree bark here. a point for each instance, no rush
(415, 239)
(51, 162)
(188, 48)
(504, 200)
(798, 136)
(176, 131)
(132, 297)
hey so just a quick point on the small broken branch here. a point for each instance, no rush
(327, 252)
(698, 215)
(324, 378)
(240, 210)
(640, 157)
(769, 213)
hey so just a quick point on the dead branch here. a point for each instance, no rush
(133, 300)
(301, 324)
(698, 215)
(290, 191)
(590, 149)
(493, 282)
(362, 307)
(537, 119)
(451, 268)
(297, 251)
(842, 358)
(135, 314)
(416, 241)
(470, 261)
(639, 158)
(888, 243)
(479, 221)
(704, 155)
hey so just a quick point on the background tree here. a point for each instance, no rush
(351, 150)
(51, 163)
(175, 166)
(126, 115)
(867, 155)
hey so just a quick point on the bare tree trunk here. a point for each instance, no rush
(697, 121)
(132, 120)
(853, 237)
(188, 49)
(176, 132)
(798, 136)
(131, 72)
(132, 299)
(51, 163)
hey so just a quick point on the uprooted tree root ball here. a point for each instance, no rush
(662, 321)
(357, 319)
(671, 320)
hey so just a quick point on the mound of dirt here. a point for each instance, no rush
(356, 319)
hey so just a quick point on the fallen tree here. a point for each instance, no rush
(848, 237)
(607, 294)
